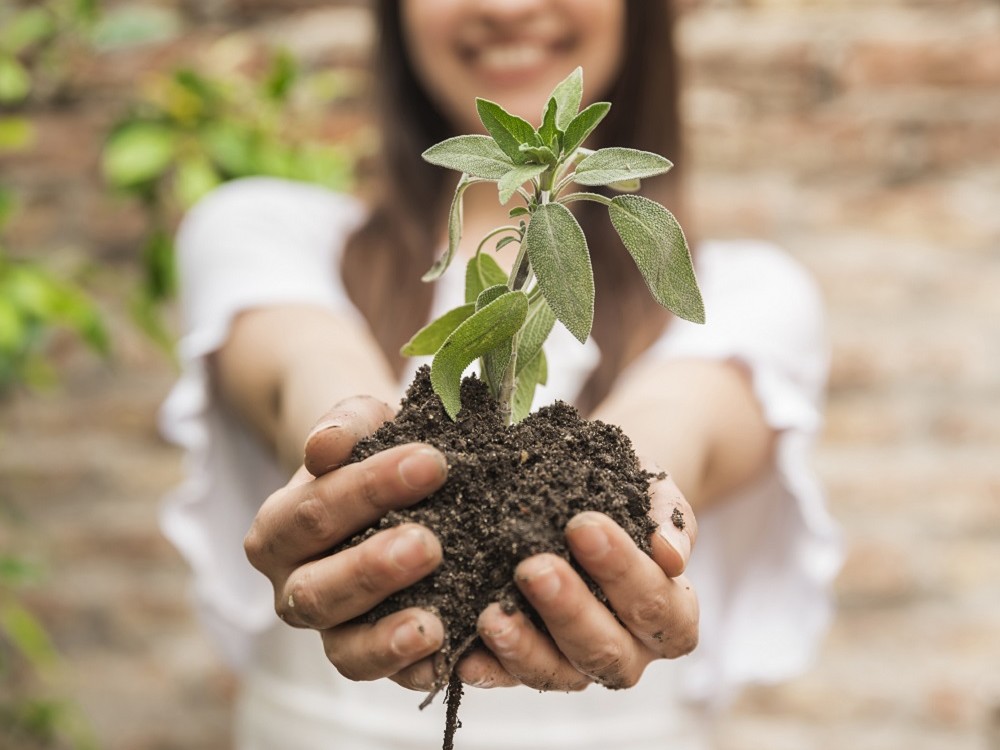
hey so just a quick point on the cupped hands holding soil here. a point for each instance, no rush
(511, 490)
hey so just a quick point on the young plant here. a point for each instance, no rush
(506, 318)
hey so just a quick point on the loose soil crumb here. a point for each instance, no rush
(510, 492)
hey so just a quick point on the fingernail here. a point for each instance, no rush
(672, 530)
(332, 424)
(589, 538)
(542, 582)
(424, 469)
(503, 638)
(409, 638)
(409, 550)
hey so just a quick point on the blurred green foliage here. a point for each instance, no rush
(34, 303)
(192, 130)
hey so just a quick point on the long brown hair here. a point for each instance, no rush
(385, 258)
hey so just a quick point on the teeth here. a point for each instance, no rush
(511, 56)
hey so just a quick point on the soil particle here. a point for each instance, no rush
(677, 519)
(510, 492)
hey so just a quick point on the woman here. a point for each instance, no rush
(297, 299)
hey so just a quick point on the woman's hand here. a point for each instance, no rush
(323, 505)
(586, 643)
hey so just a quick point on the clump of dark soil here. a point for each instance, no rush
(510, 492)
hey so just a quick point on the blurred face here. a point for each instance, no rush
(513, 52)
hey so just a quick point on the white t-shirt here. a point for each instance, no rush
(762, 567)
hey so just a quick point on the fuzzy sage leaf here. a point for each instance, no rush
(608, 165)
(558, 253)
(509, 131)
(476, 155)
(537, 327)
(429, 338)
(583, 125)
(454, 229)
(516, 177)
(482, 273)
(657, 244)
(495, 361)
(481, 332)
(568, 94)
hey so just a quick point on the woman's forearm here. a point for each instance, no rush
(282, 367)
(697, 419)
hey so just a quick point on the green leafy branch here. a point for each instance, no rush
(506, 318)
(193, 131)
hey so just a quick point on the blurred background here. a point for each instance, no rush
(862, 135)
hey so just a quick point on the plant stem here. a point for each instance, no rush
(520, 277)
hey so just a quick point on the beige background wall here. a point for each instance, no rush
(863, 135)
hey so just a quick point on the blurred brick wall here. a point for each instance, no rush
(864, 136)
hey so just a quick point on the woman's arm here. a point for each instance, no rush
(283, 366)
(698, 419)
(278, 369)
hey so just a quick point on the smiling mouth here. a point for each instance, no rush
(503, 60)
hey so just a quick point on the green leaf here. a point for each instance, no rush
(483, 331)
(608, 165)
(495, 361)
(504, 241)
(134, 25)
(429, 338)
(27, 635)
(516, 177)
(15, 83)
(454, 230)
(28, 27)
(583, 125)
(16, 134)
(539, 154)
(509, 131)
(13, 333)
(482, 273)
(158, 263)
(626, 186)
(537, 327)
(548, 132)
(568, 94)
(138, 154)
(518, 211)
(657, 244)
(528, 379)
(281, 77)
(194, 178)
(558, 253)
(476, 155)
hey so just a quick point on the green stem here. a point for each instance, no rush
(520, 278)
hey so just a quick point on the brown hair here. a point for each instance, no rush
(386, 257)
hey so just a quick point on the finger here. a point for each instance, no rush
(481, 669)
(332, 590)
(677, 526)
(380, 649)
(661, 612)
(298, 523)
(524, 653)
(583, 629)
(331, 441)
(420, 676)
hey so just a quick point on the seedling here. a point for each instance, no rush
(506, 318)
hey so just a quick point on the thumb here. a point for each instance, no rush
(677, 526)
(331, 441)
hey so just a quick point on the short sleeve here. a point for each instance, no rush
(248, 244)
(767, 556)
